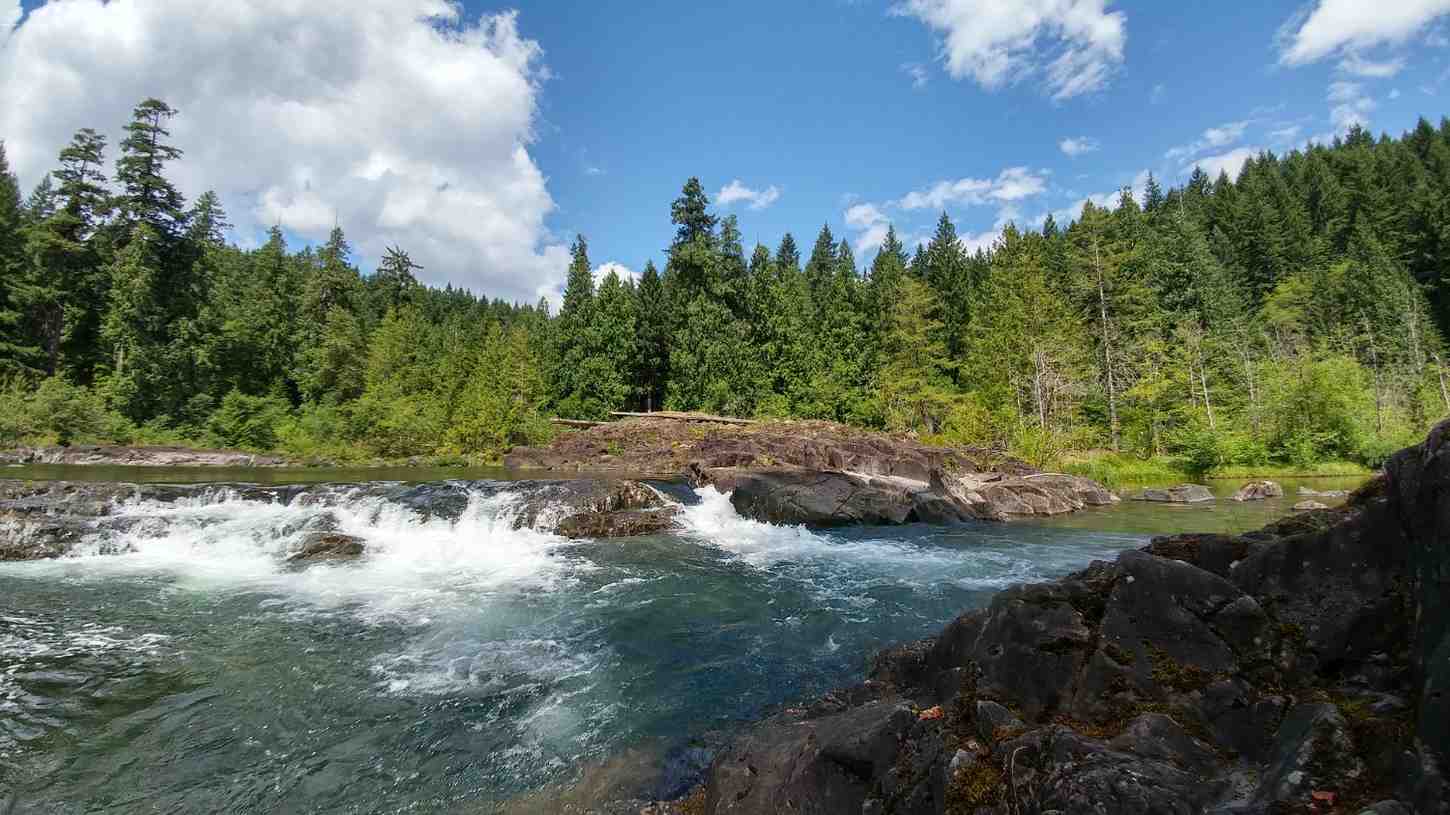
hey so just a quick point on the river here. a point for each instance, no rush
(463, 665)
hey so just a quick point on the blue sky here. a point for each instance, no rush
(484, 151)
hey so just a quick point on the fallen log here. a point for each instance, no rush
(585, 423)
(683, 416)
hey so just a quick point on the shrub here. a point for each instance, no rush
(248, 422)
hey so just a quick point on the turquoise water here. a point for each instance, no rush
(461, 665)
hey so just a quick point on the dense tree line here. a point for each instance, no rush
(1293, 314)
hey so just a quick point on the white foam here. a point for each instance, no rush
(415, 567)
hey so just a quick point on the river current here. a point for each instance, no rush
(463, 665)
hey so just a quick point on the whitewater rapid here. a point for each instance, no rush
(460, 656)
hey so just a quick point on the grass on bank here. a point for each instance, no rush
(1116, 470)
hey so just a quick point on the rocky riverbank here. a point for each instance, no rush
(139, 456)
(819, 473)
(1303, 668)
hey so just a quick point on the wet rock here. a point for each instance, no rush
(553, 506)
(1181, 494)
(1307, 506)
(1305, 492)
(40, 539)
(1258, 491)
(622, 524)
(796, 495)
(320, 546)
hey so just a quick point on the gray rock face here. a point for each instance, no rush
(1300, 668)
(1181, 494)
(1258, 491)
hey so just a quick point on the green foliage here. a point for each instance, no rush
(1293, 318)
(56, 412)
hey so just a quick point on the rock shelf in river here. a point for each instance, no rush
(1301, 668)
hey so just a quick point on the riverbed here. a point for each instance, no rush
(463, 665)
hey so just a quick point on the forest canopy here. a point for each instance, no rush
(1293, 315)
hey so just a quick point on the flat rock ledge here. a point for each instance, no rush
(138, 456)
(1302, 668)
(821, 473)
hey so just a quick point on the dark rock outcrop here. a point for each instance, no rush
(1258, 491)
(1181, 494)
(1302, 668)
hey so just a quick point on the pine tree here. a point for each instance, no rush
(652, 332)
(65, 286)
(17, 355)
(394, 283)
(949, 275)
(915, 373)
(146, 195)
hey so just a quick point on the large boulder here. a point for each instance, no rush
(1181, 494)
(320, 546)
(1258, 491)
(619, 524)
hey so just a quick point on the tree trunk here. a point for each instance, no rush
(1107, 350)
(1374, 356)
(1203, 380)
(1444, 393)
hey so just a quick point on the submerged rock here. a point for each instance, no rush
(1301, 668)
(328, 546)
(1306, 506)
(1181, 494)
(1258, 491)
(1306, 492)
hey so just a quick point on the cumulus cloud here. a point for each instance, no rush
(402, 120)
(871, 223)
(1349, 26)
(1071, 46)
(624, 272)
(1012, 184)
(1231, 162)
(1350, 105)
(1212, 139)
(1077, 147)
(757, 199)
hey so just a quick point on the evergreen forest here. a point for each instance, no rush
(1293, 317)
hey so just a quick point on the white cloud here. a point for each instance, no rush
(1158, 93)
(918, 73)
(1394, 93)
(1073, 46)
(1285, 134)
(399, 119)
(871, 223)
(1078, 146)
(736, 191)
(1231, 162)
(1012, 184)
(9, 18)
(624, 272)
(1335, 26)
(1359, 66)
(1350, 105)
(1212, 138)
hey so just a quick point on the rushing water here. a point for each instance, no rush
(461, 664)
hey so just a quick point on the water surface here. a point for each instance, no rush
(463, 665)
